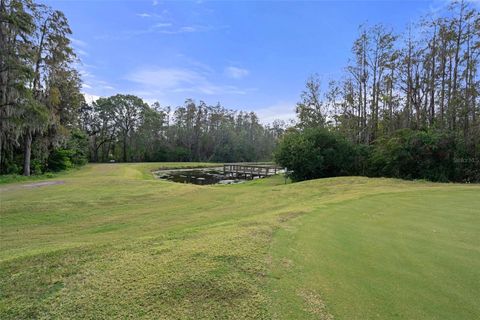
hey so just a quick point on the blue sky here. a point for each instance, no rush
(247, 55)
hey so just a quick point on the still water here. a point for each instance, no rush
(197, 176)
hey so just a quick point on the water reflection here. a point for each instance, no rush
(197, 176)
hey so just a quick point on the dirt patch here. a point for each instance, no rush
(43, 184)
(314, 304)
(31, 185)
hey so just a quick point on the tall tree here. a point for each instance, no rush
(310, 110)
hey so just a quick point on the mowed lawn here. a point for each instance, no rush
(110, 241)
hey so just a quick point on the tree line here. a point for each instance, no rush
(407, 103)
(124, 128)
(45, 123)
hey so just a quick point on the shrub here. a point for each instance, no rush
(316, 153)
(77, 145)
(414, 155)
(37, 166)
(59, 160)
(12, 168)
(181, 154)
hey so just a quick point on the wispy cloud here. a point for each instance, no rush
(144, 15)
(157, 28)
(184, 29)
(162, 25)
(179, 80)
(79, 46)
(236, 73)
(81, 52)
(91, 84)
(164, 14)
(78, 43)
(282, 110)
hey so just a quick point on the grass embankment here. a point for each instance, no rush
(111, 242)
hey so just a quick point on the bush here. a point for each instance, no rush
(317, 153)
(414, 155)
(37, 166)
(59, 160)
(74, 153)
(181, 154)
(160, 154)
(12, 168)
(77, 145)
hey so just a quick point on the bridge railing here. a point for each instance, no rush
(250, 170)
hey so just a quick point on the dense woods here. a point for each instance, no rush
(47, 125)
(125, 128)
(409, 103)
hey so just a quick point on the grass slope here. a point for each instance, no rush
(112, 242)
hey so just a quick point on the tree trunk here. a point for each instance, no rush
(364, 81)
(125, 148)
(432, 78)
(442, 90)
(390, 101)
(409, 82)
(1, 154)
(27, 152)
(474, 99)
(450, 107)
(373, 104)
(36, 79)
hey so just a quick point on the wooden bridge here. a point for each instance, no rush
(249, 171)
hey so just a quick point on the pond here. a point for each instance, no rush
(201, 176)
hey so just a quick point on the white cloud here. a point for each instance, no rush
(162, 25)
(79, 46)
(177, 80)
(164, 15)
(92, 83)
(81, 52)
(184, 29)
(155, 2)
(187, 29)
(282, 110)
(89, 98)
(236, 73)
(166, 78)
(156, 28)
(78, 42)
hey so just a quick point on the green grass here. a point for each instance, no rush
(112, 242)
(10, 178)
